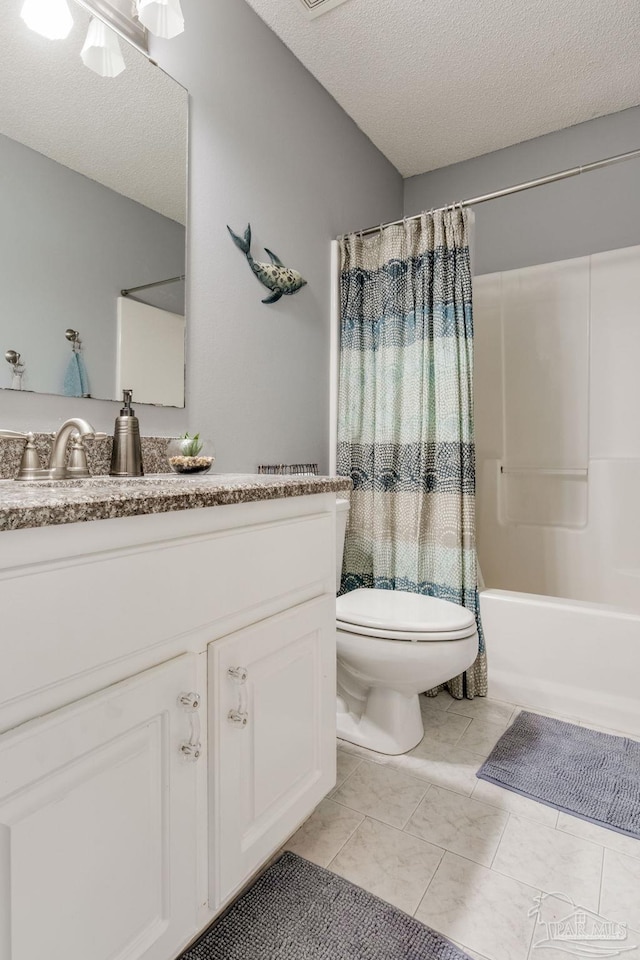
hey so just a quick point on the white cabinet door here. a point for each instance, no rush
(97, 824)
(272, 750)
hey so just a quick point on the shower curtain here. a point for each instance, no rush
(405, 415)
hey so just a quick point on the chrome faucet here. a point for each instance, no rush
(58, 469)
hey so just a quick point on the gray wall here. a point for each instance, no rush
(572, 218)
(269, 146)
(67, 248)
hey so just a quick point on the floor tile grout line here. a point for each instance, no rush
(457, 742)
(426, 889)
(385, 823)
(470, 950)
(448, 789)
(352, 834)
(410, 817)
(533, 931)
(393, 769)
(510, 876)
(504, 829)
(454, 852)
(420, 778)
(468, 796)
(506, 723)
(515, 813)
(600, 843)
(601, 882)
(391, 827)
(342, 783)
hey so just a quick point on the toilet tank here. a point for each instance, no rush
(342, 518)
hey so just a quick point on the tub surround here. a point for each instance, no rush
(42, 503)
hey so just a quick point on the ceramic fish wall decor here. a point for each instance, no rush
(281, 280)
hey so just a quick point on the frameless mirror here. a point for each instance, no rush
(93, 189)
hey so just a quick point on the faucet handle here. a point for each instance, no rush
(30, 465)
(77, 465)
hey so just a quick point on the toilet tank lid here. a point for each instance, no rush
(402, 611)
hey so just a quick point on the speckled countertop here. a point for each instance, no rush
(48, 503)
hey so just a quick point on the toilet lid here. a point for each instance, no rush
(400, 612)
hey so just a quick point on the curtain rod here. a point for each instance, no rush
(145, 286)
(518, 188)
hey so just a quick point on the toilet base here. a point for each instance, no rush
(390, 723)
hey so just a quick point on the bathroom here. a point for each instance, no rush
(310, 125)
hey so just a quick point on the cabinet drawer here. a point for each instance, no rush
(74, 616)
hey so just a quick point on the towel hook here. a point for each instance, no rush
(12, 357)
(74, 337)
(17, 368)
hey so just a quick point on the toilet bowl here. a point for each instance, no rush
(392, 645)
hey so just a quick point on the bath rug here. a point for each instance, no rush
(298, 911)
(591, 775)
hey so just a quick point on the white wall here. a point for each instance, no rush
(556, 405)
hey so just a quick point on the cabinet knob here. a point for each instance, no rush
(238, 717)
(190, 750)
(190, 701)
(239, 674)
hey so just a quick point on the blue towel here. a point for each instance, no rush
(76, 382)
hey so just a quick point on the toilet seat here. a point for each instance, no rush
(400, 615)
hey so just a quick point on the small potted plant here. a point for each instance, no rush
(189, 454)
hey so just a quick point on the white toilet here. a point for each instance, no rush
(393, 645)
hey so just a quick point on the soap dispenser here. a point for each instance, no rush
(126, 458)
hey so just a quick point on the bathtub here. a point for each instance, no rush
(580, 660)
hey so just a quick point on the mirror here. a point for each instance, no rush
(93, 185)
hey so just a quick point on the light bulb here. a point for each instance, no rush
(163, 18)
(101, 51)
(50, 18)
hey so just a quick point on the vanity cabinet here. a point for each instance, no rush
(272, 749)
(167, 719)
(98, 806)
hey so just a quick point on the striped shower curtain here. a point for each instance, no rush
(405, 430)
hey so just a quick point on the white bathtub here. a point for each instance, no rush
(577, 659)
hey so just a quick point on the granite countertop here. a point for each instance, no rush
(50, 502)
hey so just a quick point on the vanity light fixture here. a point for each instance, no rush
(128, 18)
(50, 18)
(163, 18)
(101, 51)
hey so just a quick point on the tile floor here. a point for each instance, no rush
(462, 855)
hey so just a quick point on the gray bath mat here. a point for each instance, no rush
(297, 911)
(591, 775)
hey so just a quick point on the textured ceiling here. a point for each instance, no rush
(433, 82)
(129, 133)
